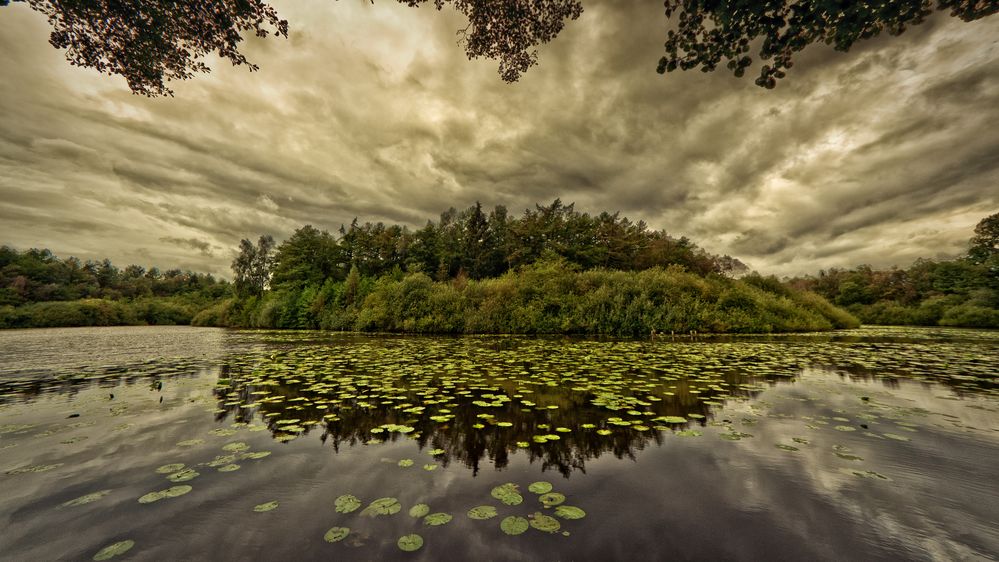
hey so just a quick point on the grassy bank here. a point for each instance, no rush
(547, 297)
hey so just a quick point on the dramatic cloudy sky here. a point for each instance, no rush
(881, 155)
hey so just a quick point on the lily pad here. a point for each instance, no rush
(507, 493)
(265, 507)
(569, 512)
(406, 463)
(552, 499)
(382, 506)
(482, 512)
(410, 543)
(235, 447)
(419, 510)
(168, 468)
(113, 550)
(545, 523)
(183, 475)
(514, 525)
(89, 498)
(540, 487)
(435, 519)
(336, 534)
(346, 503)
(229, 468)
(171, 492)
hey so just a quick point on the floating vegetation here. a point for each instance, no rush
(410, 543)
(507, 493)
(435, 519)
(171, 492)
(545, 523)
(183, 475)
(336, 534)
(235, 447)
(569, 512)
(89, 498)
(382, 506)
(35, 468)
(405, 463)
(112, 550)
(190, 442)
(540, 487)
(265, 507)
(419, 510)
(785, 447)
(514, 525)
(551, 499)
(896, 437)
(229, 468)
(346, 503)
(482, 512)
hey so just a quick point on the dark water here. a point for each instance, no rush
(871, 444)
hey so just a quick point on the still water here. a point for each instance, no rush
(159, 443)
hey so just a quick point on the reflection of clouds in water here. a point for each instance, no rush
(912, 510)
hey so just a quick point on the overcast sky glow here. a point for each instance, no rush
(881, 155)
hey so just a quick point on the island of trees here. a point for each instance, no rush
(551, 270)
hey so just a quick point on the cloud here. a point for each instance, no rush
(880, 155)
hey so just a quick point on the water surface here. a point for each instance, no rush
(873, 444)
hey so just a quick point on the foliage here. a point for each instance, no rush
(154, 41)
(710, 31)
(959, 292)
(252, 266)
(549, 296)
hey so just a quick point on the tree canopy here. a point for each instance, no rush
(154, 41)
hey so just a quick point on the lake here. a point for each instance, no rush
(169, 443)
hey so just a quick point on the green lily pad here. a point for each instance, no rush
(113, 550)
(419, 510)
(514, 525)
(569, 512)
(235, 447)
(410, 543)
(168, 468)
(845, 428)
(406, 463)
(430, 467)
(545, 523)
(183, 475)
(89, 498)
(382, 506)
(190, 442)
(336, 534)
(507, 493)
(229, 468)
(785, 447)
(265, 507)
(346, 503)
(551, 499)
(256, 455)
(435, 519)
(171, 492)
(540, 487)
(482, 512)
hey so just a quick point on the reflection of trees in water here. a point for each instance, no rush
(464, 443)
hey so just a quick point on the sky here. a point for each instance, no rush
(878, 156)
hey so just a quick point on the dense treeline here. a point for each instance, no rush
(552, 270)
(38, 289)
(959, 292)
(551, 295)
(469, 243)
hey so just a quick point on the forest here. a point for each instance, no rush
(551, 270)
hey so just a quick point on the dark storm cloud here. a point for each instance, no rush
(881, 155)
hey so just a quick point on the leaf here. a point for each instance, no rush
(346, 503)
(545, 523)
(569, 512)
(514, 525)
(265, 507)
(113, 550)
(336, 534)
(419, 510)
(551, 499)
(436, 519)
(482, 512)
(540, 487)
(508, 494)
(410, 543)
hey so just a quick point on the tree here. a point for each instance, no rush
(252, 266)
(985, 242)
(153, 41)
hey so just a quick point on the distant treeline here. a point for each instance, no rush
(959, 292)
(37, 289)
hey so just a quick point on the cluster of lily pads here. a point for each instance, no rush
(507, 494)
